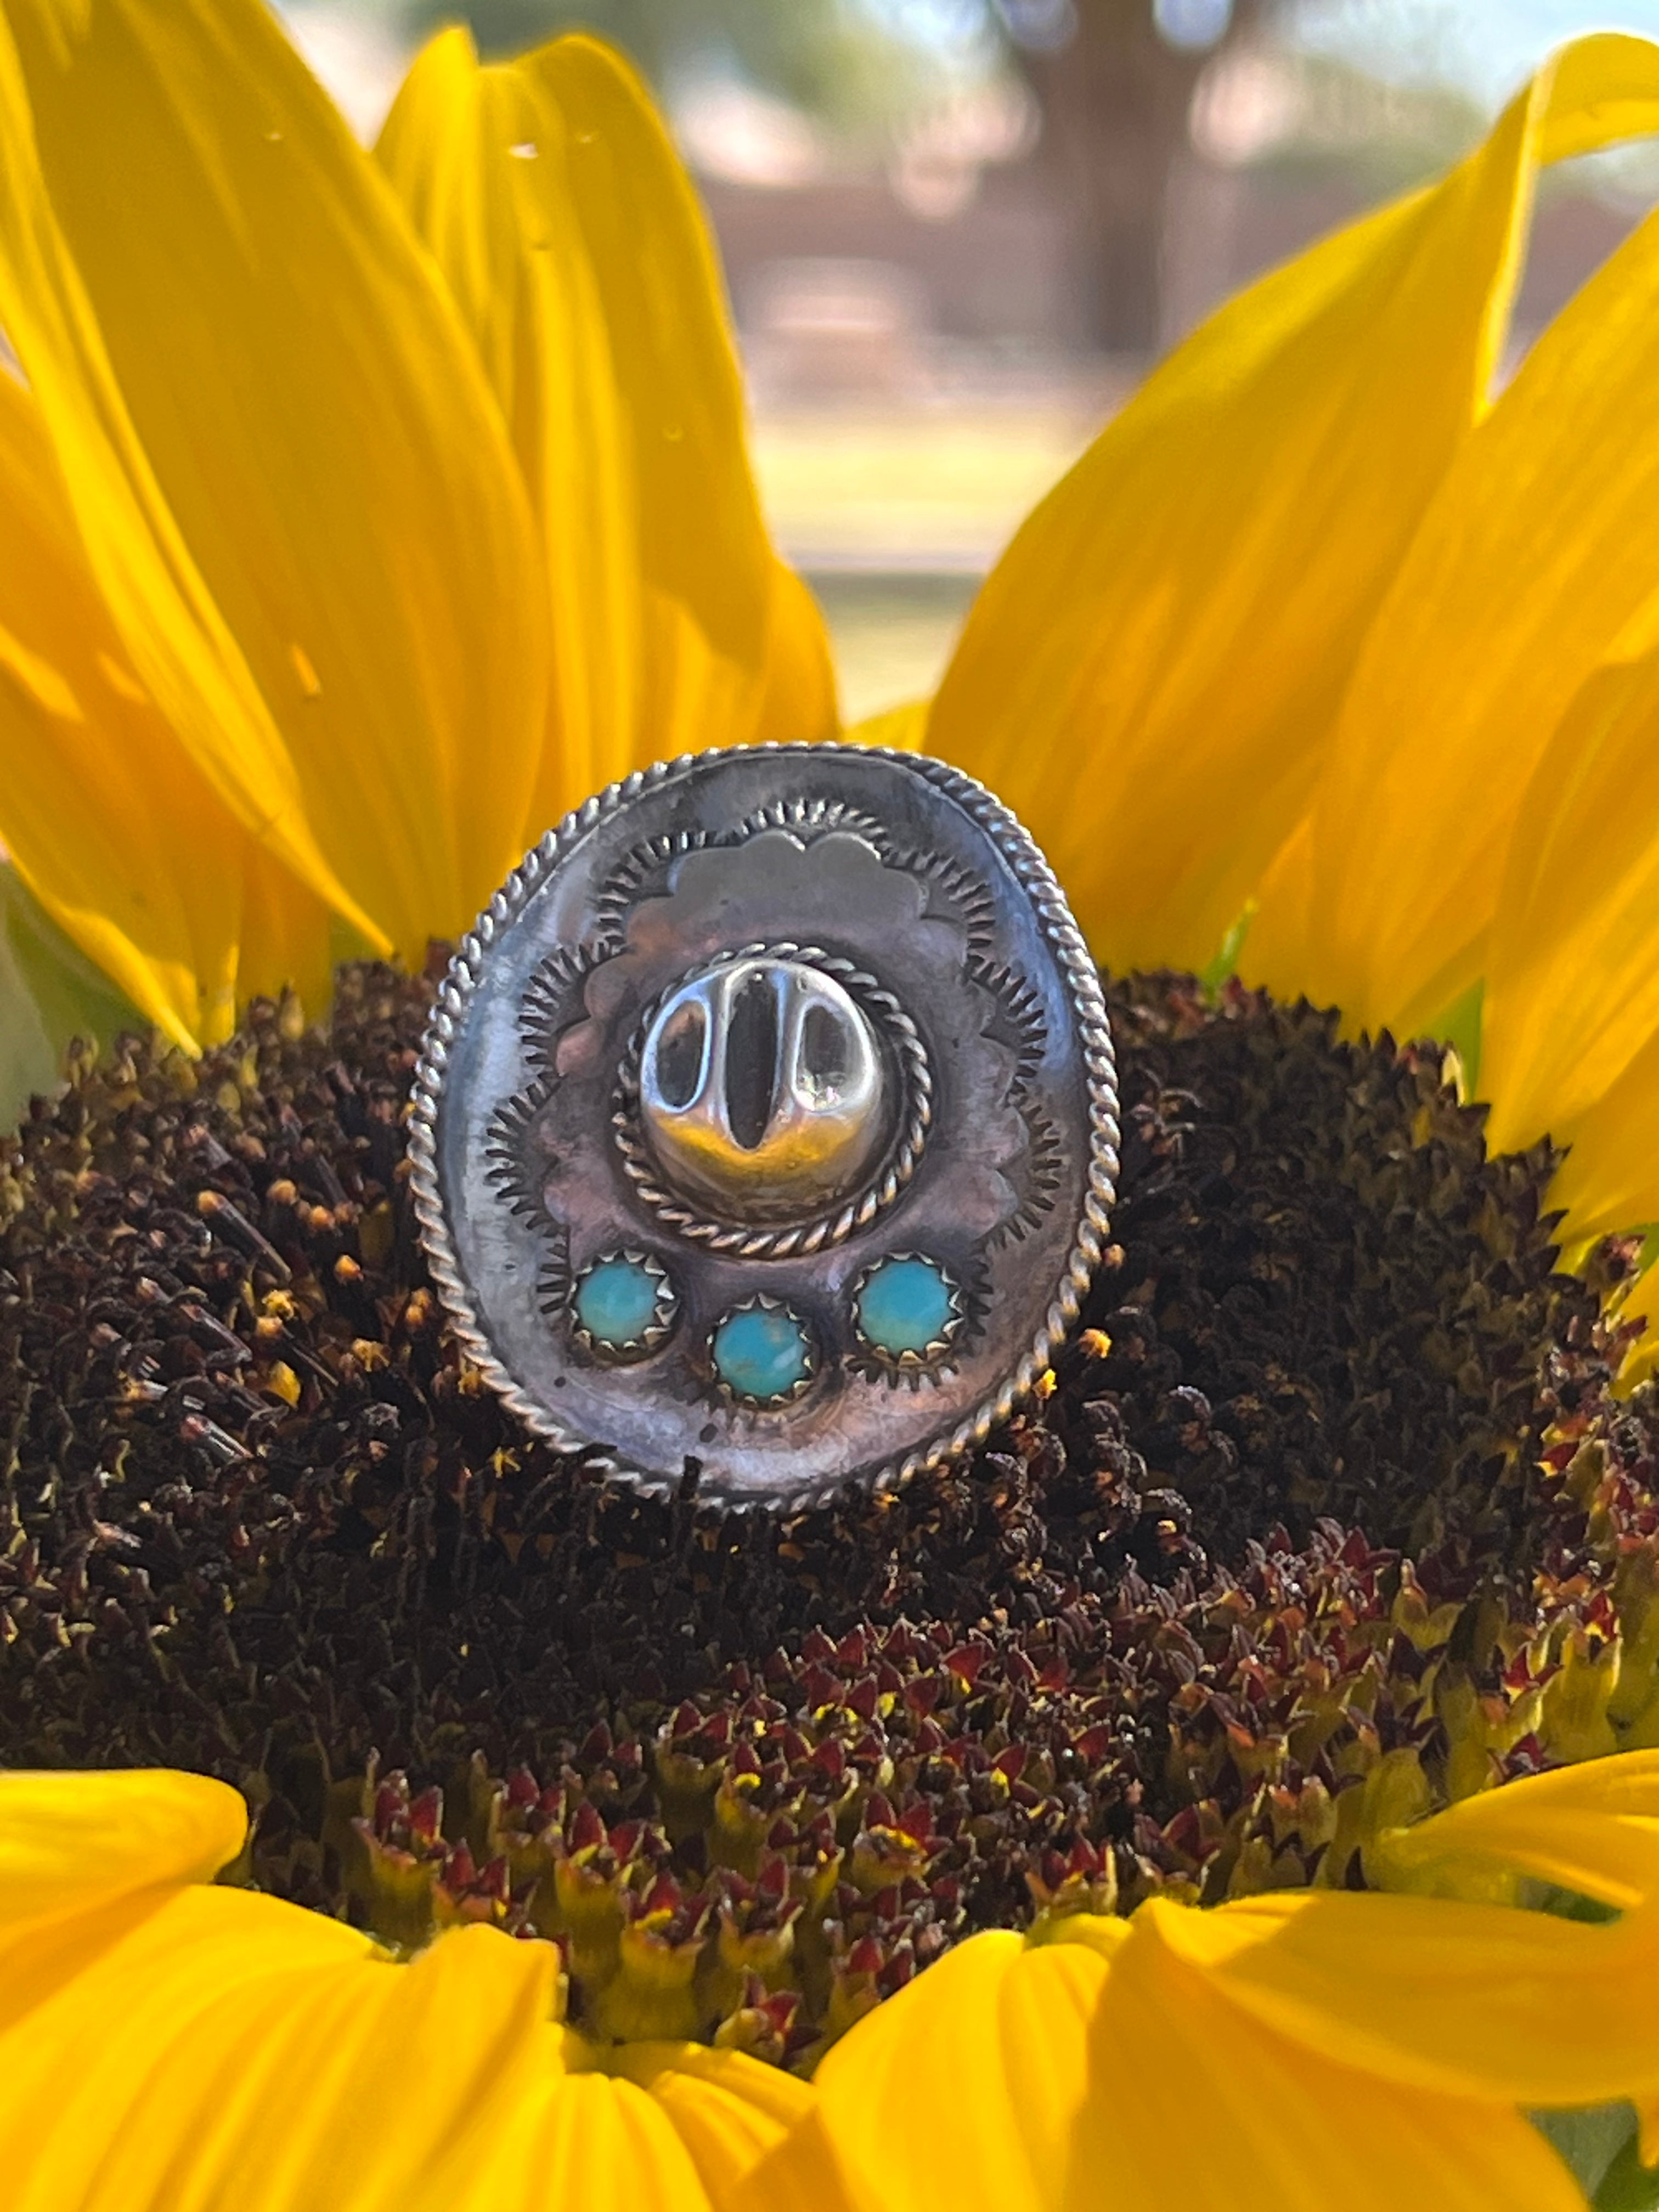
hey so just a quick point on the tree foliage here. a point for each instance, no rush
(848, 64)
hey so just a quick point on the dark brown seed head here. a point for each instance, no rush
(258, 1518)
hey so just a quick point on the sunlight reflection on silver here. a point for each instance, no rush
(762, 1092)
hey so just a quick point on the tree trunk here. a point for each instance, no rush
(1115, 105)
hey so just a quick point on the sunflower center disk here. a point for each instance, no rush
(793, 1761)
(762, 1090)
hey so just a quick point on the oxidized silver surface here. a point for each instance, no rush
(749, 1025)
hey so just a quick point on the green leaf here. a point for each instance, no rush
(1628, 2185)
(50, 995)
(1211, 977)
(1459, 1026)
(1601, 2147)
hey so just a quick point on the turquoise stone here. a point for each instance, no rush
(762, 1353)
(617, 1301)
(904, 1305)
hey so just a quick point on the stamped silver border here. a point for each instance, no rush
(1020, 851)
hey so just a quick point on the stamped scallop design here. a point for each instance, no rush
(771, 1078)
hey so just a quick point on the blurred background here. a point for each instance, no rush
(958, 232)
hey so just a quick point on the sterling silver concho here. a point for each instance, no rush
(764, 1134)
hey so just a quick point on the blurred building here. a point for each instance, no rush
(956, 232)
(958, 268)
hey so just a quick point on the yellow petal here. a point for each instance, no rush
(1596, 1813)
(1572, 979)
(287, 938)
(1465, 2000)
(1640, 1305)
(293, 483)
(730, 2110)
(607, 2143)
(114, 827)
(1065, 2077)
(410, 2072)
(226, 2048)
(801, 2174)
(796, 703)
(1468, 1998)
(174, 2049)
(1273, 946)
(190, 663)
(1609, 1183)
(1535, 564)
(702, 2121)
(444, 148)
(220, 2048)
(1195, 2102)
(72, 1840)
(662, 2128)
(965, 2088)
(1151, 674)
(903, 728)
(730, 646)
(571, 238)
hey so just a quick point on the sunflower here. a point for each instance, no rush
(363, 513)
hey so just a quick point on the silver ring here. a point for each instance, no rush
(765, 1128)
